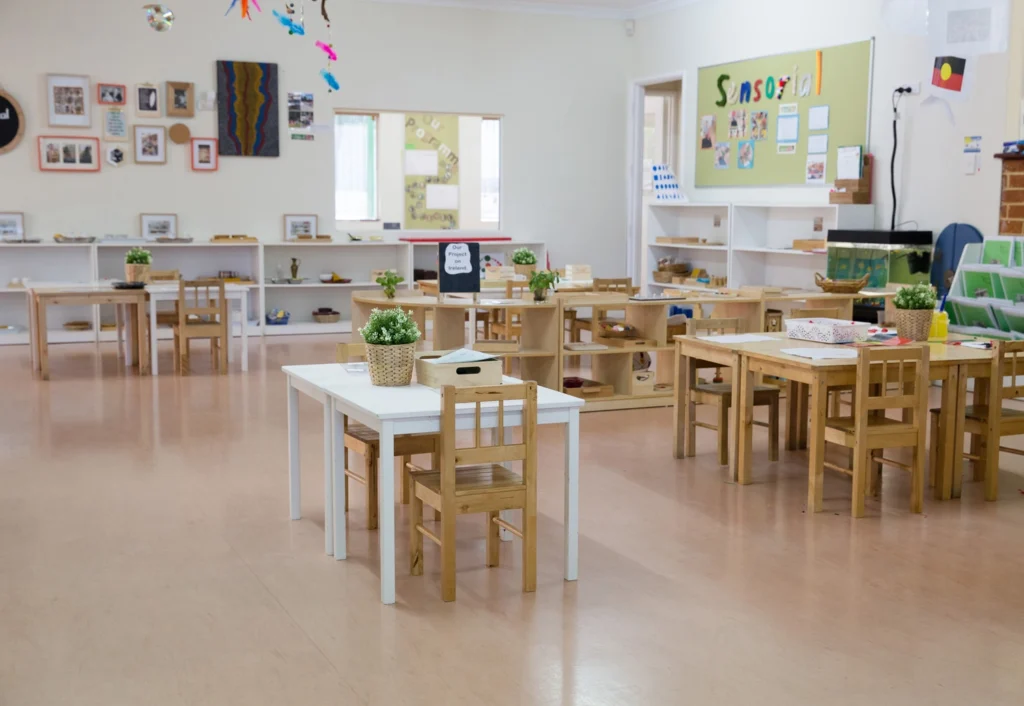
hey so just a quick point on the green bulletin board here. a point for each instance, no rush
(434, 139)
(845, 79)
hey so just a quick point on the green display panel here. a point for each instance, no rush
(750, 152)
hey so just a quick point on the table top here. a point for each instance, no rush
(107, 286)
(939, 351)
(450, 301)
(413, 401)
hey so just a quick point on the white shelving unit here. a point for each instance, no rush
(87, 262)
(759, 239)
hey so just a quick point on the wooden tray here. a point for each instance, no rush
(590, 389)
(77, 325)
(841, 286)
(627, 342)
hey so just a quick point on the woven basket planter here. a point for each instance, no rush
(525, 270)
(914, 324)
(136, 273)
(391, 366)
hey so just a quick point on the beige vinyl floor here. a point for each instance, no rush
(146, 557)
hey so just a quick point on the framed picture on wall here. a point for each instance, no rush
(299, 227)
(147, 100)
(158, 225)
(66, 153)
(111, 94)
(181, 100)
(12, 225)
(116, 155)
(115, 125)
(150, 144)
(68, 100)
(204, 154)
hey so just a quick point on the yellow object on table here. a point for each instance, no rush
(940, 326)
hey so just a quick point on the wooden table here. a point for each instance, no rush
(953, 365)
(39, 298)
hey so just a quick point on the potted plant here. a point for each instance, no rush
(914, 308)
(389, 280)
(136, 265)
(525, 261)
(390, 336)
(540, 282)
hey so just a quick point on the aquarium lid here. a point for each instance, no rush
(882, 237)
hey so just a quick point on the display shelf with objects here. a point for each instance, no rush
(694, 233)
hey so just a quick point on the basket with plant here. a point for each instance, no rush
(137, 262)
(914, 308)
(390, 336)
(524, 260)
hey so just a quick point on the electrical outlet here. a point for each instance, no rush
(911, 88)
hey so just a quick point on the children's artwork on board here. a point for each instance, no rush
(745, 158)
(723, 151)
(815, 169)
(737, 124)
(707, 132)
(759, 125)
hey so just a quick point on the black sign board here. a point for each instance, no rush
(12, 122)
(458, 267)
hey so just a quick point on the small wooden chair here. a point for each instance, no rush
(720, 394)
(197, 319)
(473, 480)
(577, 325)
(166, 317)
(835, 393)
(869, 430)
(364, 441)
(987, 421)
(507, 324)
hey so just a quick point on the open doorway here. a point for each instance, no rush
(655, 131)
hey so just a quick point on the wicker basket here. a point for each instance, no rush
(841, 286)
(331, 318)
(662, 276)
(391, 366)
(914, 324)
(679, 268)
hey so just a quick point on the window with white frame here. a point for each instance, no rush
(355, 167)
(490, 170)
(661, 125)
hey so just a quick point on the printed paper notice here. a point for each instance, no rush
(817, 144)
(789, 109)
(817, 118)
(421, 163)
(788, 129)
(848, 163)
(443, 197)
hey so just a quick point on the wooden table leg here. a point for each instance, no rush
(791, 414)
(682, 414)
(143, 327)
(803, 415)
(743, 411)
(118, 327)
(41, 340)
(981, 397)
(816, 467)
(948, 409)
(956, 457)
(30, 297)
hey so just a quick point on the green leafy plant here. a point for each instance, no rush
(138, 256)
(389, 280)
(918, 296)
(524, 256)
(390, 327)
(543, 280)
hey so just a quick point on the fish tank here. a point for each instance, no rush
(887, 257)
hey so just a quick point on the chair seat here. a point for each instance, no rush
(848, 424)
(473, 479)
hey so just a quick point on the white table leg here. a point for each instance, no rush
(294, 474)
(340, 528)
(328, 478)
(243, 305)
(386, 513)
(572, 495)
(152, 336)
(129, 326)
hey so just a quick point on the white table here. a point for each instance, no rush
(161, 292)
(414, 409)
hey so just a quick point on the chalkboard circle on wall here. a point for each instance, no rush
(12, 122)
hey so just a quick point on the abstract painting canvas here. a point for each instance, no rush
(248, 116)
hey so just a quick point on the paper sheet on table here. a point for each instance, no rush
(421, 163)
(817, 118)
(463, 355)
(821, 353)
(737, 338)
(848, 163)
(443, 196)
(787, 128)
(817, 144)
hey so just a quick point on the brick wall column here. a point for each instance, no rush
(1011, 201)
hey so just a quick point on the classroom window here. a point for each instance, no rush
(660, 128)
(490, 169)
(355, 167)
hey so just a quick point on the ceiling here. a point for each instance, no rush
(612, 9)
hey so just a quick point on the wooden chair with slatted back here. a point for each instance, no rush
(507, 324)
(166, 317)
(622, 285)
(364, 441)
(202, 313)
(720, 394)
(834, 393)
(869, 430)
(475, 480)
(987, 420)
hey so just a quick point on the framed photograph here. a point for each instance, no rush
(147, 100)
(111, 94)
(68, 100)
(181, 100)
(115, 125)
(298, 227)
(12, 226)
(150, 144)
(158, 225)
(66, 153)
(204, 154)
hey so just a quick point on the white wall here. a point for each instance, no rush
(931, 184)
(559, 82)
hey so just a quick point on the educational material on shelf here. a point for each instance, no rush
(849, 164)
(824, 88)
(817, 144)
(666, 187)
(585, 346)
